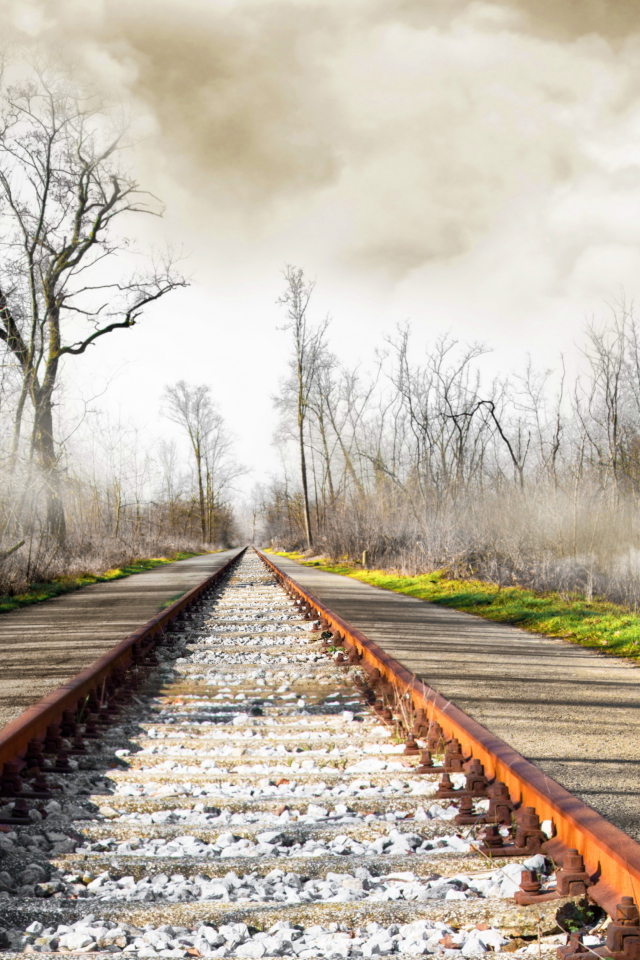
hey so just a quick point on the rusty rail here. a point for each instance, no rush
(611, 857)
(16, 735)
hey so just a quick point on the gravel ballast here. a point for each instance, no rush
(247, 803)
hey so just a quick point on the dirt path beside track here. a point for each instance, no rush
(43, 645)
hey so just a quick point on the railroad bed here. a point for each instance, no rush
(248, 803)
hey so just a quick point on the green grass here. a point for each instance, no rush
(597, 624)
(47, 591)
(176, 596)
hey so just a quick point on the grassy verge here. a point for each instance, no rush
(46, 591)
(597, 624)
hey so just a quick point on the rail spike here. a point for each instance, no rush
(622, 937)
(572, 880)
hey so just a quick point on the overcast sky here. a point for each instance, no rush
(472, 167)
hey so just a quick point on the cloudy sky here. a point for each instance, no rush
(470, 166)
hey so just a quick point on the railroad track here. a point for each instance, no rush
(248, 777)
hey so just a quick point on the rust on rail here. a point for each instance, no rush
(16, 735)
(611, 857)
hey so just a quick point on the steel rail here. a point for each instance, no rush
(33, 722)
(611, 857)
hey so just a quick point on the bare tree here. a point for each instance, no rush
(607, 402)
(307, 348)
(192, 409)
(171, 481)
(221, 471)
(61, 285)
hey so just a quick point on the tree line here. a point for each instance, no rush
(426, 463)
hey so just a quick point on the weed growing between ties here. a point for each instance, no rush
(60, 585)
(597, 624)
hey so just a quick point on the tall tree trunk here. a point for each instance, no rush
(305, 484)
(43, 444)
(17, 424)
(345, 453)
(118, 509)
(203, 511)
(327, 455)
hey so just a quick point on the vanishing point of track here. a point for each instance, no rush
(248, 776)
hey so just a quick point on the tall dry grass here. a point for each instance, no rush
(544, 537)
(110, 523)
(41, 561)
(526, 478)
